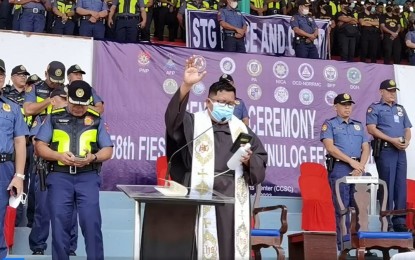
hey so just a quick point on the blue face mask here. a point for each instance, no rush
(221, 111)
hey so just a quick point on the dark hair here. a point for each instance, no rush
(221, 86)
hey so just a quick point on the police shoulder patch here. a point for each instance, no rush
(28, 89)
(369, 110)
(324, 127)
(34, 124)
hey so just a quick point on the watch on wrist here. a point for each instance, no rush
(18, 175)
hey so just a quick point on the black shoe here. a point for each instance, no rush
(400, 228)
(38, 252)
(370, 254)
(72, 253)
(29, 224)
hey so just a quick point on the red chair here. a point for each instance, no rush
(410, 202)
(318, 210)
(161, 169)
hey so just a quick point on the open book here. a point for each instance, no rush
(173, 189)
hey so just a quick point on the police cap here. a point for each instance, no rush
(56, 72)
(380, 4)
(226, 77)
(20, 69)
(343, 98)
(33, 79)
(74, 69)
(303, 2)
(59, 91)
(388, 84)
(79, 93)
(2, 65)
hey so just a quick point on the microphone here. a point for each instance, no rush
(187, 144)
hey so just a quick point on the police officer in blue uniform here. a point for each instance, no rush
(306, 31)
(240, 110)
(40, 230)
(348, 151)
(234, 27)
(127, 19)
(33, 14)
(12, 148)
(389, 125)
(16, 92)
(93, 14)
(73, 180)
(76, 73)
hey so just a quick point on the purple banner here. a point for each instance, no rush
(288, 99)
(265, 35)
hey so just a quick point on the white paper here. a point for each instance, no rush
(172, 189)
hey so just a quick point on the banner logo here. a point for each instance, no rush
(305, 71)
(280, 69)
(254, 68)
(200, 63)
(143, 58)
(227, 65)
(198, 88)
(306, 96)
(254, 92)
(329, 97)
(170, 86)
(330, 73)
(281, 94)
(354, 75)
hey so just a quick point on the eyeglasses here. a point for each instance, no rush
(223, 103)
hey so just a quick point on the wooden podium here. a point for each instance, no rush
(168, 227)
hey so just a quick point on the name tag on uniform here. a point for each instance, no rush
(396, 118)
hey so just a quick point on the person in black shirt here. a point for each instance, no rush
(369, 23)
(348, 31)
(390, 26)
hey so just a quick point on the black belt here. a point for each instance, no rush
(127, 17)
(60, 17)
(229, 34)
(34, 10)
(386, 144)
(353, 158)
(6, 157)
(54, 167)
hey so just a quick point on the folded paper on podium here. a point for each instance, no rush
(172, 189)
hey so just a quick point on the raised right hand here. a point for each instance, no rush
(191, 73)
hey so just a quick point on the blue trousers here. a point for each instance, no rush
(392, 168)
(40, 229)
(66, 193)
(340, 170)
(6, 176)
(126, 30)
(63, 28)
(96, 30)
(303, 50)
(30, 22)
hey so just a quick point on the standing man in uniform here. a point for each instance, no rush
(33, 14)
(13, 144)
(127, 19)
(390, 26)
(348, 148)
(76, 73)
(64, 11)
(240, 110)
(234, 27)
(347, 31)
(369, 40)
(306, 31)
(75, 161)
(181, 128)
(16, 93)
(93, 14)
(390, 127)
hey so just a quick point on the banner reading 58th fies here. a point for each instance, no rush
(266, 34)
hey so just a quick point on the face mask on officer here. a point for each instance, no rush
(233, 4)
(372, 9)
(411, 9)
(352, 5)
(369, 8)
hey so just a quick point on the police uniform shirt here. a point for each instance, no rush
(277, 5)
(35, 126)
(391, 121)
(391, 22)
(11, 125)
(40, 6)
(240, 110)
(303, 22)
(410, 36)
(13, 94)
(39, 92)
(65, 6)
(92, 5)
(96, 98)
(347, 137)
(232, 17)
(45, 133)
(127, 8)
(368, 18)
